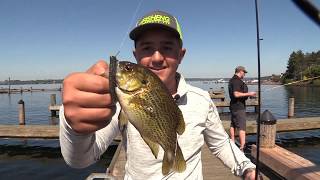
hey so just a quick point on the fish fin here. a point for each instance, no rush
(152, 145)
(167, 162)
(180, 124)
(179, 164)
(122, 120)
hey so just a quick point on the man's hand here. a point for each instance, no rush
(87, 101)
(251, 94)
(250, 174)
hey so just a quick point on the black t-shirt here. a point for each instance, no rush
(236, 84)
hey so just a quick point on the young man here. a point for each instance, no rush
(88, 118)
(238, 92)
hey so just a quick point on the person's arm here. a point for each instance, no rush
(236, 87)
(86, 125)
(221, 146)
(239, 94)
(82, 150)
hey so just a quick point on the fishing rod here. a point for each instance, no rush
(259, 91)
(312, 12)
(309, 9)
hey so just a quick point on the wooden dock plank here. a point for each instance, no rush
(29, 131)
(251, 102)
(298, 124)
(15, 90)
(212, 167)
(283, 125)
(217, 96)
(52, 131)
(217, 104)
(287, 164)
(117, 165)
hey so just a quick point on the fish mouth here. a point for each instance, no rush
(123, 79)
(112, 77)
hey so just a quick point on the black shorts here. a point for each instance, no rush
(238, 119)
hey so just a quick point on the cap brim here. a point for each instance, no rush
(136, 32)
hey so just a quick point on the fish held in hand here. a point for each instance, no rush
(150, 108)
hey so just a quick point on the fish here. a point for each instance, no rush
(147, 104)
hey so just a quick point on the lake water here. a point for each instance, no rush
(41, 159)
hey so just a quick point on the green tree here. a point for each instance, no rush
(294, 67)
(301, 66)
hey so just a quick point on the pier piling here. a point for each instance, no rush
(53, 102)
(21, 113)
(291, 107)
(268, 130)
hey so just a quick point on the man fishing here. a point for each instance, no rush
(89, 118)
(238, 93)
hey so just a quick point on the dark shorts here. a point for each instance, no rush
(238, 119)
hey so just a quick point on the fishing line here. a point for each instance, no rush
(295, 82)
(130, 25)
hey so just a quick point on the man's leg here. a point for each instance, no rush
(232, 133)
(232, 127)
(242, 137)
(242, 128)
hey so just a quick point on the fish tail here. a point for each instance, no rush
(179, 164)
(168, 160)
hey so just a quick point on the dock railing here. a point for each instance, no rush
(285, 163)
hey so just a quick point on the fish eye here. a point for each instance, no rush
(128, 67)
(144, 81)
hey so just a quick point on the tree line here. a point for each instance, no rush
(302, 66)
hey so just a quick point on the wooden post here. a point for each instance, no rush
(53, 102)
(21, 90)
(256, 98)
(267, 130)
(9, 88)
(21, 113)
(222, 99)
(222, 90)
(291, 107)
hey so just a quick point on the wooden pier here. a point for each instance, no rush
(218, 104)
(52, 131)
(285, 163)
(215, 95)
(24, 90)
(29, 131)
(212, 167)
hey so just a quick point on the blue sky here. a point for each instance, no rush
(46, 39)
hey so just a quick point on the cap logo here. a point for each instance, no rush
(156, 18)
